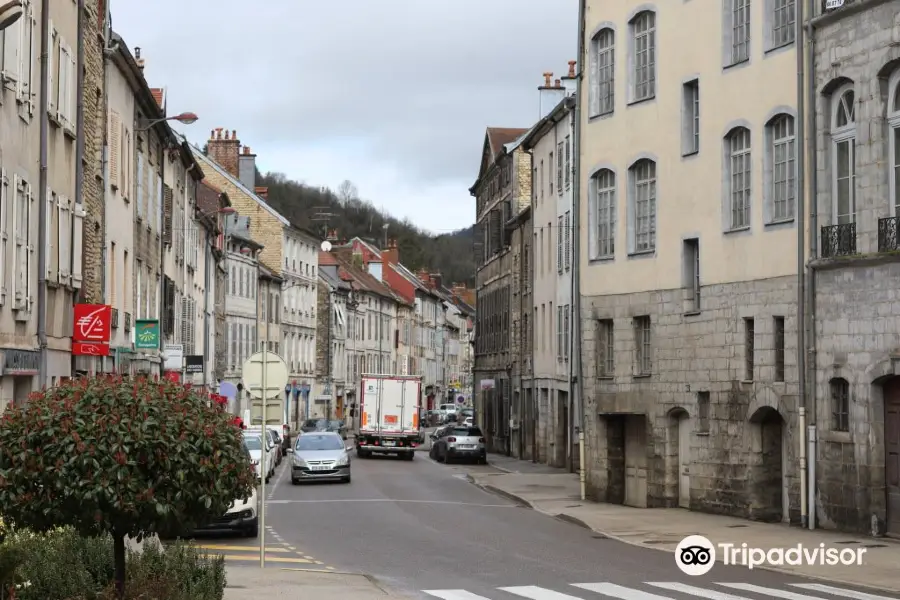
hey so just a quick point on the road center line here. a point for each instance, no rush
(332, 501)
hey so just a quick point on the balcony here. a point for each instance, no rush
(838, 240)
(887, 234)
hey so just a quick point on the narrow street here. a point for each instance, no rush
(424, 530)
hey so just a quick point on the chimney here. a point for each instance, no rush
(549, 95)
(223, 149)
(332, 236)
(391, 254)
(437, 280)
(262, 192)
(570, 81)
(138, 59)
(247, 168)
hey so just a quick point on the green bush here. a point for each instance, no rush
(63, 565)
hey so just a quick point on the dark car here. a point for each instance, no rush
(337, 427)
(313, 425)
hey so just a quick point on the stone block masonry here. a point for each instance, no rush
(323, 309)
(94, 130)
(740, 445)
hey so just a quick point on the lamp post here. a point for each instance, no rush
(187, 118)
(10, 12)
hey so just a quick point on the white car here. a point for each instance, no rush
(243, 515)
(256, 447)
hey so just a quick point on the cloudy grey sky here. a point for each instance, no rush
(391, 94)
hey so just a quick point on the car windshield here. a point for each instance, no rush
(466, 431)
(253, 443)
(319, 442)
(335, 424)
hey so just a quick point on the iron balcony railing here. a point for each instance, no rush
(887, 234)
(838, 240)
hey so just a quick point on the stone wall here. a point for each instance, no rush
(522, 183)
(323, 310)
(94, 130)
(221, 340)
(704, 352)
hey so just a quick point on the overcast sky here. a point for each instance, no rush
(393, 95)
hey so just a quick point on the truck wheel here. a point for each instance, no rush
(410, 456)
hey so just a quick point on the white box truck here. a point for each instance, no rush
(389, 415)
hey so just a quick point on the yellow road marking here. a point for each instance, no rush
(239, 548)
(282, 559)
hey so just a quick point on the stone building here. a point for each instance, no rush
(96, 35)
(688, 166)
(500, 196)
(550, 142)
(331, 338)
(856, 385)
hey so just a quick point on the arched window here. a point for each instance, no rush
(603, 213)
(642, 206)
(781, 167)
(739, 174)
(643, 52)
(603, 72)
(840, 404)
(843, 141)
(894, 139)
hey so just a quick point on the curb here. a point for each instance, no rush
(580, 523)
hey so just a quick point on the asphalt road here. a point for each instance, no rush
(421, 526)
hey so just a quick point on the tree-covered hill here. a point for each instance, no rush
(319, 209)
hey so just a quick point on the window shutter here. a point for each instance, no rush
(594, 78)
(29, 268)
(49, 235)
(568, 241)
(4, 246)
(51, 80)
(115, 149)
(27, 95)
(559, 244)
(559, 168)
(65, 244)
(78, 214)
(168, 207)
(125, 162)
(71, 108)
(11, 37)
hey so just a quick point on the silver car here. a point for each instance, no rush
(320, 456)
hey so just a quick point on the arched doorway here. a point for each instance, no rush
(891, 393)
(768, 493)
(680, 428)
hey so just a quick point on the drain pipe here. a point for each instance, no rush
(576, 257)
(79, 162)
(43, 214)
(801, 263)
(813, 185)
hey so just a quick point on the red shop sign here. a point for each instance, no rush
(92, 323)
(89, 349)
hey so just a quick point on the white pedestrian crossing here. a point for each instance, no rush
(662, 590)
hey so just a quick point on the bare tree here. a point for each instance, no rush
(347, 193)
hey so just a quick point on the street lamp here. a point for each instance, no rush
(188, 118)
(10, 12)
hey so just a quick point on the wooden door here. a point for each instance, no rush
(892, 454)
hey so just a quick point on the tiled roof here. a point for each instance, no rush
(344, 258)
(500, 136)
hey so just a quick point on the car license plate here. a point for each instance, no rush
(320, 467)
(390, 443)
(467, 446)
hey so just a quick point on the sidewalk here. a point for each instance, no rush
(556, 492)
(253, 583)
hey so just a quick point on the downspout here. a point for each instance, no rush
(534, 399)
(43, 214)
(801, 263)
(813, 186)
(207, 259)
(79, 150)
(576, 259)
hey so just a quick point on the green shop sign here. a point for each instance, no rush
(146, 333)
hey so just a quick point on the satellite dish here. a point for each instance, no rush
(10, 12)
(326, 246)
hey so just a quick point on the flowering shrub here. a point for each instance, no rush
(128, 457)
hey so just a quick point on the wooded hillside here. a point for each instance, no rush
(319, 209)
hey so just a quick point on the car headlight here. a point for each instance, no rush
(342, 461)
(299, 462)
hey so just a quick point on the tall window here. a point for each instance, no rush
(749, 349)
(840, 404)
(740, 31)
(603, 69)
(738, 143)
(643, 202)
(783, 167)
(642, 345)
(692, 273)
(843, 137)
(894, 122)
(605, 348)
(559, 244)
(779, 348)
(603, 190)
(690, 114)
(783, 20)
(643, 31)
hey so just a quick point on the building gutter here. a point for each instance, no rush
(43, 214)
(801, 260)
(79, 153)
(813, 187)
(575, 367)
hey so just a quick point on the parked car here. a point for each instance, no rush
(243, 516)
(256, 446)
(274, 442)
(458, 442)
(320, 455)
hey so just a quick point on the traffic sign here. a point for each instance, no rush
(275, 378)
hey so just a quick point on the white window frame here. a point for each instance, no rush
(603, 73)
(781, 23)
(893, 117)
(559, 244)
(740, 26)
(602, 196)
(841, 135)
(739, 144)
(642, 30)
(690, 115)
(781, 167)
(567, 226)
(642, 206)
